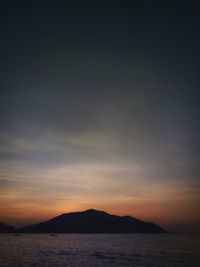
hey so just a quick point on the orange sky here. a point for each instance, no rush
(61, 189)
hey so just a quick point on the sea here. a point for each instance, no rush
(93, 250)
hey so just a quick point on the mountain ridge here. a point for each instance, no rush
(92, 221)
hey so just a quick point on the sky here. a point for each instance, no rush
(99, 108)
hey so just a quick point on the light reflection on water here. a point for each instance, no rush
(85, 250)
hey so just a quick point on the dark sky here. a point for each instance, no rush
(99, 107)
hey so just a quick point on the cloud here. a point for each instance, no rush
(7, 183)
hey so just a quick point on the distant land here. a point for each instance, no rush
(6, 228)
(92, 221)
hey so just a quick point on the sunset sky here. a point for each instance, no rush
(99, 108)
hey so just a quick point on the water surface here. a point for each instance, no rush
(85, 250)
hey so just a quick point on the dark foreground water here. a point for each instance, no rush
(85, 250)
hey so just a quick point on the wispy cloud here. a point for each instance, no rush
(95, 167)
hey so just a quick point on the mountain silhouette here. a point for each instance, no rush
(93, 221)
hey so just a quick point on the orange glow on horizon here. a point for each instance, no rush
(24, 214)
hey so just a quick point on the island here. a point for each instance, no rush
(92, 221)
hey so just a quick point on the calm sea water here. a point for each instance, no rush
(85, 250)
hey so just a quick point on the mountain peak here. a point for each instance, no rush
(93, 211)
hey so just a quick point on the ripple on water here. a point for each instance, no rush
(41, 250)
